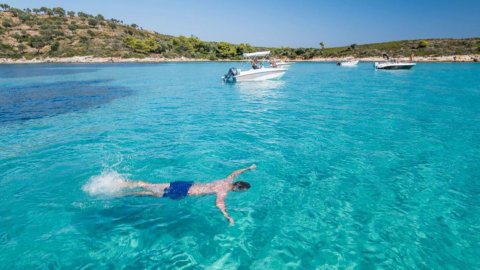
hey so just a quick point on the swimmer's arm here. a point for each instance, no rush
(236, 173)
(220, 203)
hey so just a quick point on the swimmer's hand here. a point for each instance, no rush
(230, 220)
(236, 173)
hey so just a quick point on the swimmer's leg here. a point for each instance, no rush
(156, 189)
(141, 193)
(136, 184)
(149, 189)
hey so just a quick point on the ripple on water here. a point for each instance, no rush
(357, 169)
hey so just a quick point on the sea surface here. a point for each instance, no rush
(357, 168)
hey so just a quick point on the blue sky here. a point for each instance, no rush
(289, 23)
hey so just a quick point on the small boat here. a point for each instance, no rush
(257, 72)
(283, 64)
(393, 65)
(348, 63)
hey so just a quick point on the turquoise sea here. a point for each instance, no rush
(357, 168)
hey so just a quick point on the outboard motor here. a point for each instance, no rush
(230, 76)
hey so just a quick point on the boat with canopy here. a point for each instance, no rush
(393, 64)
(257, 72)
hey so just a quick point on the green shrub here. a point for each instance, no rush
(7, 23)
(59, 11)
(16, 12)
(54, 47)
(29, 56)
(23, 37)
(83, 15)
(47, 33)
(45, 26)
(37, 42)
(5, 47)
(4, 7)
(132, 55)
(84, 39)
(72, 27)
(144, 46)
(24, 16)
(226, 50)
(423, 44)
(92, 22)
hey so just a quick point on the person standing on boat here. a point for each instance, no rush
(256, 64)
(273, 63)
(180, 189)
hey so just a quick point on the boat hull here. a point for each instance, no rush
(286, 66)
(394, 66)
(283, 64)
(260, 75)
(349, 64)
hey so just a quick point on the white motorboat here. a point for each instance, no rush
(257, 73)
(283, 64)
(393, 65)
(348, 63)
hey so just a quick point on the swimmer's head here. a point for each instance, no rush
(240, 186)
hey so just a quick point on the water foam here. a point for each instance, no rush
(107, 183)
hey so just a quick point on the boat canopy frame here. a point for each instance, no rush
(256, 54)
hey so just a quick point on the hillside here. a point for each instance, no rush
(45, 32)
(54, 32)
(426, 47)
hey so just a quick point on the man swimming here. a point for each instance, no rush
(180, 189)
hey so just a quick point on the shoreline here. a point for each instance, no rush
(440, 59)
(99, 60)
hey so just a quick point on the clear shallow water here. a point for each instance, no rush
(357, 168)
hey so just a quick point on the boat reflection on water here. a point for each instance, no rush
(260, 89)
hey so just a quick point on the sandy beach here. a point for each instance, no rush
(92, 59)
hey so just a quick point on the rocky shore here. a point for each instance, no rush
(92, 59)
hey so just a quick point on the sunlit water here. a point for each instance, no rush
(357, 168)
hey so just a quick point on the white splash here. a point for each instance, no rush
(107, 183)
